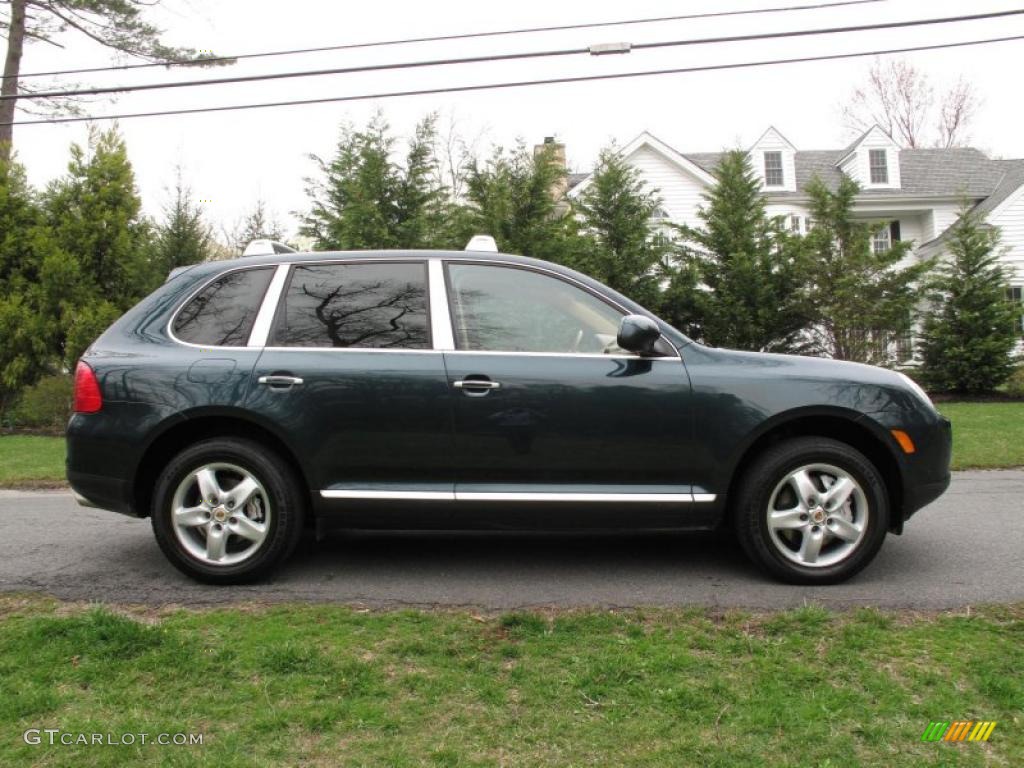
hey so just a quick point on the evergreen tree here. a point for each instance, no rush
(365, 199)
(970, 333)
(257, 224)
(184, 237)
(23, 331)
(749, 269)
(858, 300)
(512, 198)
(618, 212)
(99, 258)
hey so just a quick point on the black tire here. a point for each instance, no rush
(751, 507)
(284, 497)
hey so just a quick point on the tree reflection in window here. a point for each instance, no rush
(223, 313)
(381, 306)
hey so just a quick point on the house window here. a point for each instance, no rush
(808, 224)
(1014, 294)
(881, 241)
(773, 169)
(794, 224)
(879, 166)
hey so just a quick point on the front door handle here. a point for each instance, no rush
(476, 387)
(279, 380)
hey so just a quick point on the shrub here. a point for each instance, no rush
(1015, 384)
(46, 404)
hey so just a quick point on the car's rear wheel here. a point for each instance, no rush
(227, 511)
(812, 511)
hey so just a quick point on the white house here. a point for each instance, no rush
(917, 191)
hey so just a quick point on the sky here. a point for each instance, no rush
(232, 159)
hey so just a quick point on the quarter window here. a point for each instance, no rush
(879, 166)
(503, 309)
(223, 313)
(355, 305)
(773, 169)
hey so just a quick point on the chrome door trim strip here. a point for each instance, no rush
(440, 316)
(397, 495)
(527, 496)
(265, 316)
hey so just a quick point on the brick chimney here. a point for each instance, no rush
(560, 187)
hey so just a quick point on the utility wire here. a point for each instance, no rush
(519, 84)
(441, 38)
(491, 58)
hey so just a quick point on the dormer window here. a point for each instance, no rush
(879, 164)
(773, 169)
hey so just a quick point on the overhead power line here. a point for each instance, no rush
(443, 38)
(491, 58)
(519, 83)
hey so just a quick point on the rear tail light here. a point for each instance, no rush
(87, 390)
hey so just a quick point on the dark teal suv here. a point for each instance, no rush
(244, 401)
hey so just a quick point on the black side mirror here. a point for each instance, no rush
(639, 334)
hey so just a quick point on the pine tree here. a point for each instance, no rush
(364, 199)
(511, 197)
(971, 330)
(749, 268)
(23, 332)
(184, 237)
(99, 258)
(858, 300)
(618, 212)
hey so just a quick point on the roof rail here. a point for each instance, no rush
(266, 248)
(482, 243)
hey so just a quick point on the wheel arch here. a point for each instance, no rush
(198, 425)
(846, 426)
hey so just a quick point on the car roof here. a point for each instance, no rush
(306, 256)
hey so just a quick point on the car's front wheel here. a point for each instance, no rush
(226, 511)
(812, 511)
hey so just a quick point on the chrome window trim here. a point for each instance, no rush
(268, 309)
(204, 286)
(564, 278)
(441, 334)
(438, 319)
(528, 496)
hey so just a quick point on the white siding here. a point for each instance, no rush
(772, 141)
(1009, 217)
(680, 192)
(940, 218)
(858, 167)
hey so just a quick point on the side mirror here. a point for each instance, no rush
(639, 334)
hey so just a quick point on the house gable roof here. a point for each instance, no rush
(772, 130)
(860, 140)
(651, 141)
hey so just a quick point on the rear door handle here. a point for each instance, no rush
(278, 380)
(476, 387)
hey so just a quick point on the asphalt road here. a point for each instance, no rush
(965, 549)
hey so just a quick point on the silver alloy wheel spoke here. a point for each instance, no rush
(806, 490)
(844, 529)
(221, 514)
(247, 529)
(208, 486)
(810, 546)
(238, 496)
(826, 523)
(788, 519)
(216, 542)
(192, 516)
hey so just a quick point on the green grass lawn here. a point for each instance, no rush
(31, 460)
(985, 436)
(334, 686)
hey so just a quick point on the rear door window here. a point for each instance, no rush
(368, 305)
(223, 313)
